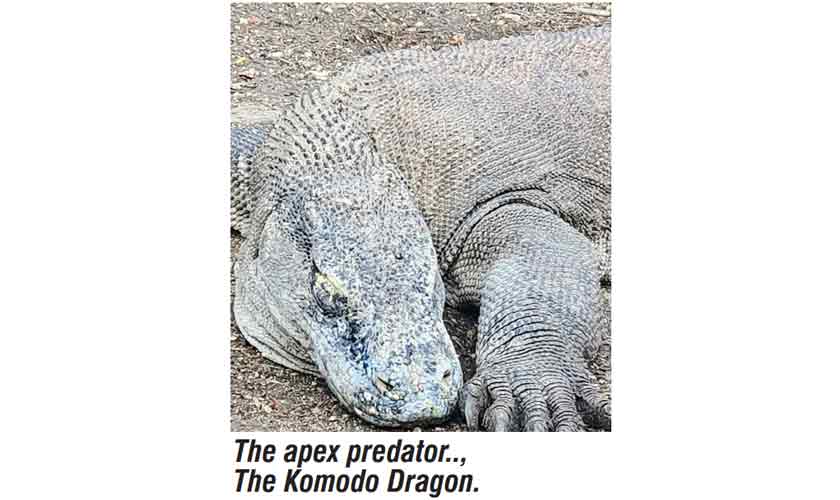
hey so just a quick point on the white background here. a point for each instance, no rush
(114, 196)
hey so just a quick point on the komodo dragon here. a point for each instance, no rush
(479, 174)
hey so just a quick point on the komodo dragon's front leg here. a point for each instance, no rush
(537, 284)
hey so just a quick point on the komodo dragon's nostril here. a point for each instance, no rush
(447, 374)
(383, 385)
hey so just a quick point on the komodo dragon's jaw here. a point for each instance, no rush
(397, 379)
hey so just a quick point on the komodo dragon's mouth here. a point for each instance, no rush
(413, 382)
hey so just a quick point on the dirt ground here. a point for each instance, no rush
(279, 51)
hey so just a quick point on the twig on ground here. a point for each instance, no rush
(376, 11)
(588, 12)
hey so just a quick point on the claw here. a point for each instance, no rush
(536, 425)
(534, 408)
(595, 404)
(561, 403)
(499, 417)
(473, 402)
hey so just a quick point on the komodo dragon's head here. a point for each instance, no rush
(379, 338)
(350, 269)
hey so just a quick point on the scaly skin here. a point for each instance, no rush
(536, 280)
(487, 166)
(338, 275)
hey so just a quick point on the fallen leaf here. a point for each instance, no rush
(456, 39)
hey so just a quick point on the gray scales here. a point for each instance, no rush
(477, 175)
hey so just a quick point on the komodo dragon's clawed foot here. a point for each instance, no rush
(505, 398)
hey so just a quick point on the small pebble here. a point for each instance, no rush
(510, 17)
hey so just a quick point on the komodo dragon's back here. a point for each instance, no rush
(471, 126)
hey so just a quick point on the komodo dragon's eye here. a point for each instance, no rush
(328, 293)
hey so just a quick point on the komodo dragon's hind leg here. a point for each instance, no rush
(537, 282)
